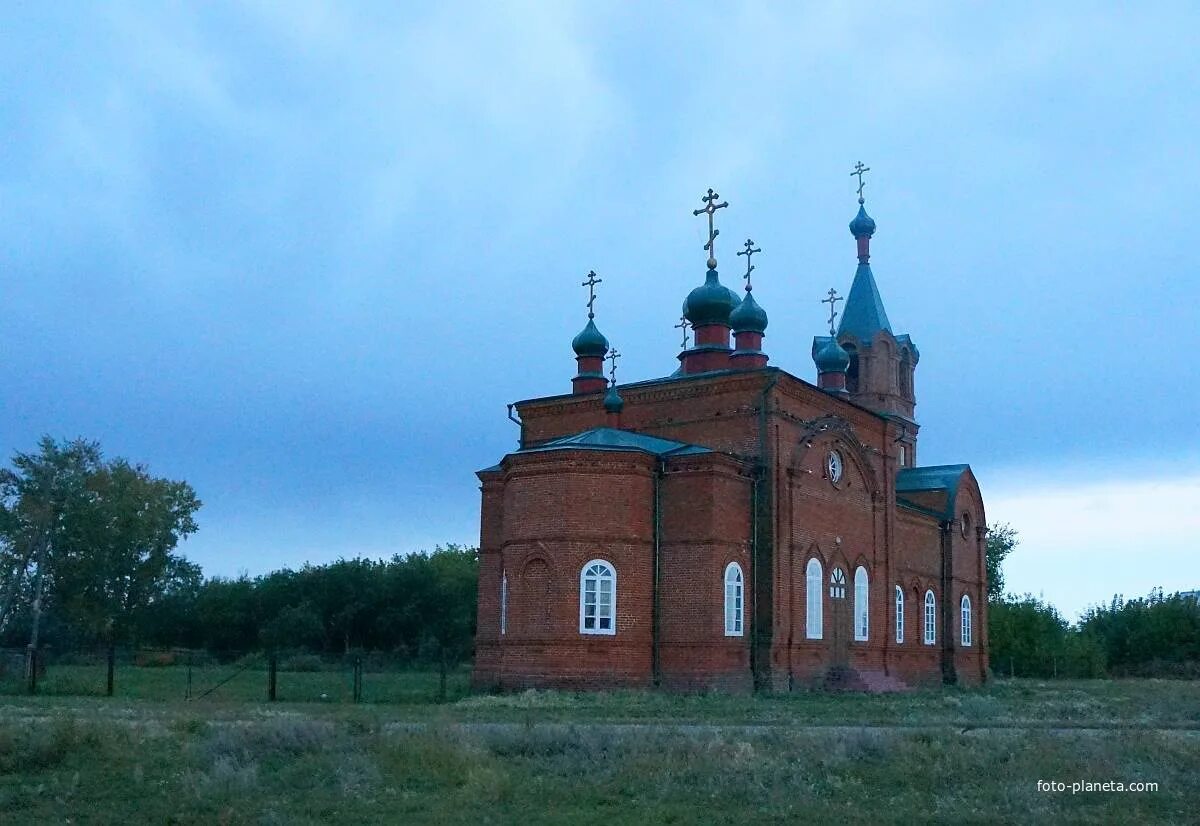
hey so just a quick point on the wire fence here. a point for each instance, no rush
(230, 676)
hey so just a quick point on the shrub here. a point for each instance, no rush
(156, 659)
(302, 662)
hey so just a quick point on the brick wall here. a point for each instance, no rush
(546, 514)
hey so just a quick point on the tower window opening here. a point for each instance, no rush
(852, 370)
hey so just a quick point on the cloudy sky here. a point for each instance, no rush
(303, 254)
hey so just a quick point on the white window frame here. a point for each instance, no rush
(837, 584)
(503, 602)
(903, 456)
(735, 600)
(862, 592)
(814, 603)
(899, 614)
(930, 627)
(965, 625)
(608, 575)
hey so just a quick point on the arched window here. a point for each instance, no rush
(906, 374)
(503, 602)
(899, 614)
(965, 605)
(852, 370)
(735, 607)
(815, 584)
(597, 598)
(860, 604)
(930, 618)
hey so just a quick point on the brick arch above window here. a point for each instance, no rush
(535, 565)
(829, 432)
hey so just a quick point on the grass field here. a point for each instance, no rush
(621, 757)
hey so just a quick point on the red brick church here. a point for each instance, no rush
(732, 525)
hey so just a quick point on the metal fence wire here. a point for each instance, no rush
(228, 676)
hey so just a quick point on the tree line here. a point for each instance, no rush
(1153, 636)
(89, 556)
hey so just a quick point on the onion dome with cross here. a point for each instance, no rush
(590, 347)
(590, 341)
(712, 301)
(613, 403)
(748, 317)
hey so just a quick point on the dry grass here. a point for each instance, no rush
(543, 757)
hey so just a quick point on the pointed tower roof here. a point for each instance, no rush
(863, 315)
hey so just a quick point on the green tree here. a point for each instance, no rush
(1148, 636)
(439, 595)
(1001, 541)
(43, 499)
(1029, 638)
(96, 539)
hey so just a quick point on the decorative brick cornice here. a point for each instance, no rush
(623, 463)
(801, 390)
(668, 390)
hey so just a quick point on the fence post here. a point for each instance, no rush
(272, 666)
(358, 679)
(187, 695)
(32, 665)
(112, 664)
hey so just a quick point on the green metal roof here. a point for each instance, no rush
(829, 355)
(864, 315)
(590, 341)
(748, 316)
(932, 478)
(609, 438)
(711, 302)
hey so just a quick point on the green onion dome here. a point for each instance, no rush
(831, 358)
(613, 402)
(748, 317)
(863, 224)
(590, 341)
(711, 302)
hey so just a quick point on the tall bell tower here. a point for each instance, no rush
(882, 365)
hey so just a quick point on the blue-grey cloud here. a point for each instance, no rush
(302, 254)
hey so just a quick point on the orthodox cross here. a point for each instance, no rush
(749, 250)
(683, 325)
(859, 169)
(612, 356)
(710, 207)
(832, 302)
(591, 285)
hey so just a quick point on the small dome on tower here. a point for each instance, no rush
(863, 224)
(590, 341)
(711, 302)
(613, 403)
(831, 358)
(748, 317)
